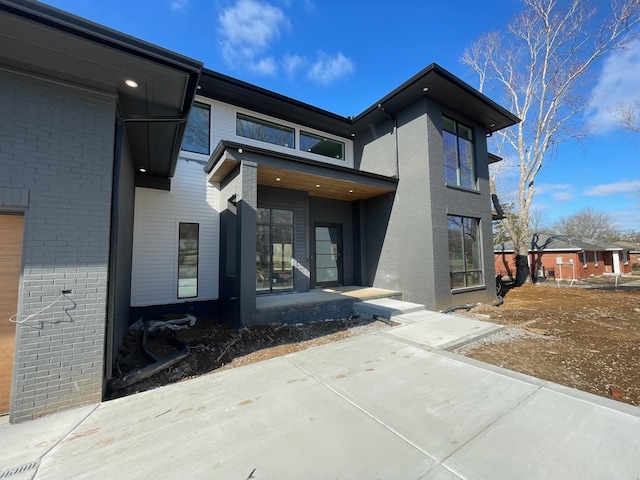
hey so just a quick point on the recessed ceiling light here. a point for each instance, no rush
(278, 179)
(425, 89)
(350, 191)
(317, 186)
(353, 134)
(131, 83)
(143, 170)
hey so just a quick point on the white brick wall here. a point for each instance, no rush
(57, 143)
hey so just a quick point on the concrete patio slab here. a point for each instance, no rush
(443, 331)
(385, 307)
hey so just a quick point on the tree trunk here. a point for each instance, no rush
(522, 270)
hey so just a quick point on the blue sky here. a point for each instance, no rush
(343, 56)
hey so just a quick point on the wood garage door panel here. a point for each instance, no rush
(11, 227)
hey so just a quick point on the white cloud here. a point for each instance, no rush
(293, 63)
(560, 192)
(607, 189)
(246, 30)
(327, 69)
(178, 5)
(619, 84)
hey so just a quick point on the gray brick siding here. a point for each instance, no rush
(57, 142)
(406, 232)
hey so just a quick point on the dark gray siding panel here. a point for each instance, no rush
(323, 210)
(296, 200)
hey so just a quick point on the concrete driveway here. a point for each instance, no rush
(382, 406)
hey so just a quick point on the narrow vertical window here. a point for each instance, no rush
(274, 250)
(459, 159)
(196, 133)
(465, 263)
(188, 246)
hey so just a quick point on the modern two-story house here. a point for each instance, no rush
(134, 181)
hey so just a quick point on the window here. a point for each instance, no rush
(595, 258)
(196, 134)
(465, 264)
(188, 260)
(625, 257)
(322, 146)
(274, 250)
(264, 131)
(584, 259)
(458, 154)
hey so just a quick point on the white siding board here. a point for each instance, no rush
(157, 215)
(223, 127)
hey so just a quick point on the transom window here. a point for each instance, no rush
(458, 154)
(465, 263)
(196, 133)
(274, 250)
(265, 131)
(310, 142)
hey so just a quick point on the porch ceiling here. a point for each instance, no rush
(318, 185)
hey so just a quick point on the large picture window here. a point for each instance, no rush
(196, 134)
(465, 263)
(264, 131)
(274, 250)
(458, 154)
(188, 245)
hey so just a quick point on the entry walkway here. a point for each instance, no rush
(381, 406)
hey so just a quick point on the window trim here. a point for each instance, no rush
(177, 277)
(302, 132)
(481, 269)
(267, 123)
(474, 187)
(197, 104)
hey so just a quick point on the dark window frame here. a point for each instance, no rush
(460, 140)
(259, 122)
(461, 251)
(181, 256)
(191, 127)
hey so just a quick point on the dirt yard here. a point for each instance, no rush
(216, 346)
(586, 337)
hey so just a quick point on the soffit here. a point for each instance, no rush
(50, 43)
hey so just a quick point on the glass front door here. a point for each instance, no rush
(328, 255)
(274, 250)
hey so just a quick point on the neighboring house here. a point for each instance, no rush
(563, 257)
(106, 218)
(632, 252)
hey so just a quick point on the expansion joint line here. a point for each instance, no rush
(358, 407)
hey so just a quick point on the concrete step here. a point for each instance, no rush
(386, 307)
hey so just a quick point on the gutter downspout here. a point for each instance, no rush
(395, 132)
(113, 237)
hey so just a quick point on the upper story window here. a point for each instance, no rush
(458, 154)
(265, 131)
(196, 134)
(321, 146)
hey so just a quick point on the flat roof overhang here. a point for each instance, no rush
(40, 40)
(288, 171)
(441, 87)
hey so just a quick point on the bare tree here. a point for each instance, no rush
(588, 223)
(541, 67)
(628, 116)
